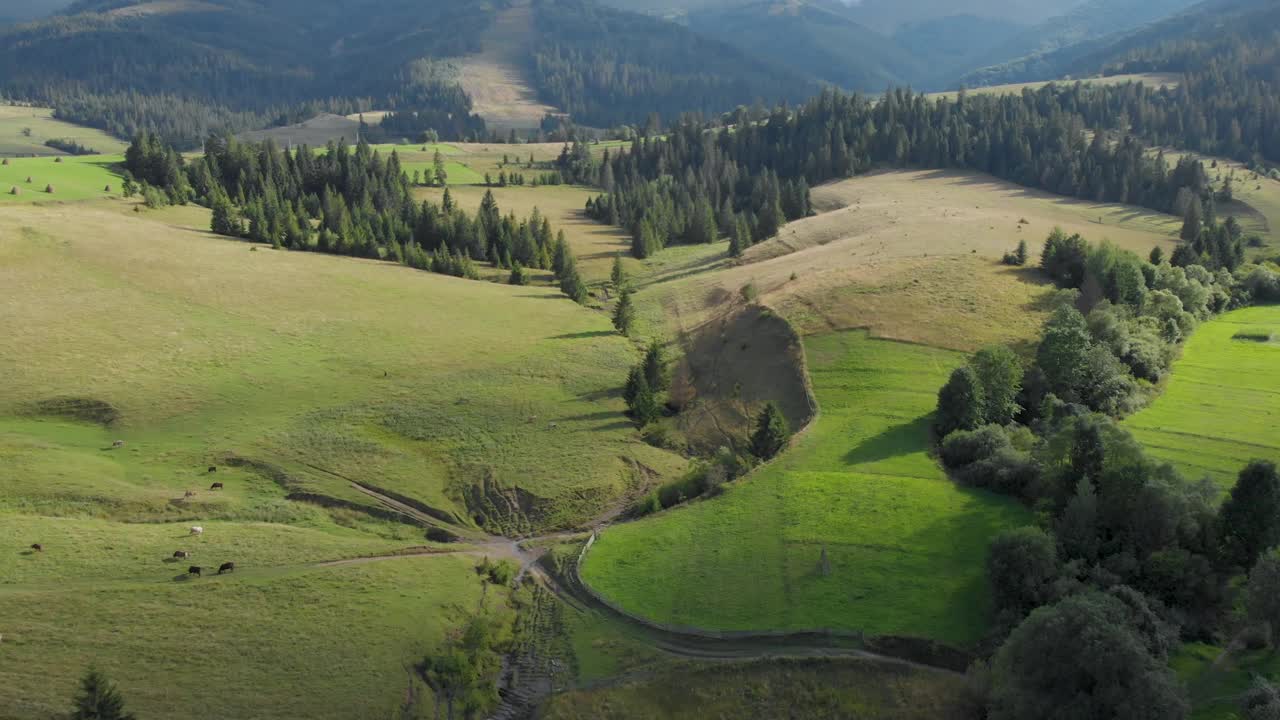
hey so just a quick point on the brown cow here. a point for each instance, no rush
(213, 468)
(181, 554)
(216, 486)
(38, 547)
(227, 567)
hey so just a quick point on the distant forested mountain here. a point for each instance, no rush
(888, 16)
(818, 39)
(606, 67)
(1049, 49)
(183, 68)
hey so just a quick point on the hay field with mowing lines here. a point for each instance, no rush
(906, 545)
(1221, 408)
(16, 118)
(75, 178)
(909, 255)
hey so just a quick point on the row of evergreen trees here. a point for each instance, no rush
(701, 180)
(349, 202)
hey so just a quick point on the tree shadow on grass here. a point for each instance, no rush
(894, 441)
(584, 335)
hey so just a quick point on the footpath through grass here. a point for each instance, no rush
(906, 546)
(1222, 406)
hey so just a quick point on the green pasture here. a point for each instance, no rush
(73, 178)
(318, 642)
(324, 368)
(1221, 408)
(906, 546)
(15, 120)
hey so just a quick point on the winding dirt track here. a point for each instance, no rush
(679, 644)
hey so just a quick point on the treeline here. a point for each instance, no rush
(1127, 557)
(754, 176)
(348, 202)
(607, 68)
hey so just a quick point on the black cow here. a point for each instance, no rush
(181, 554)
(38, 547)
(194, 570)
(216, 486)
(213, 468)
(227, 567)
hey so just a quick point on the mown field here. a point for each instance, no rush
(906, 546)
(73, 178)
(908, 255)
(15, 120)
(1222, 404)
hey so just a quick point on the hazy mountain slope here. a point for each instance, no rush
(887, 16)
(956, 41)
(814, 39)
(1048, 49)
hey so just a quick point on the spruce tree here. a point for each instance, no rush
(99, 699)
(570, 282)
(771, 434)
(624, 315)
(655, 366)
(961, 405)
(619, 274)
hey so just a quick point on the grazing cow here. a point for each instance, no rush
(38, 547)
(227, 567)
(216, 486)
(181, 554)
(213, 468)
(189, 494)
(197, 530)
(118, 444)
(194, 570)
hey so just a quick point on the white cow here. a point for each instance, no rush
(197, 530)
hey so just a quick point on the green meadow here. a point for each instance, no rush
(1221, 408)
(24, 130)
(906, 546)
(306, 641)
(291, 373)
(73, 178)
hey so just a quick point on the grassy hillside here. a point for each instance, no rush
(910, 255)
(16, 120)
(1221, 407)
(906, 545)
(325, 642)
(207, 350)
